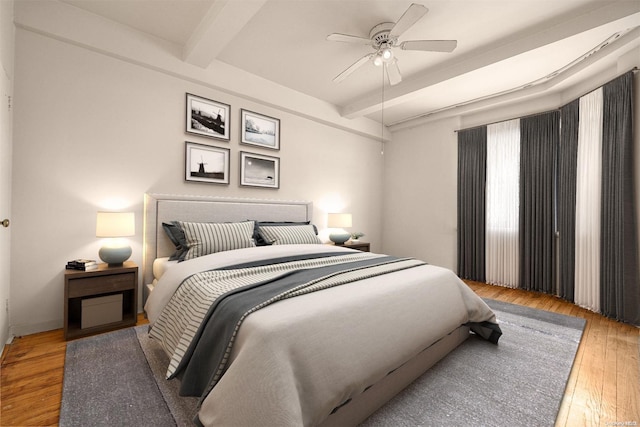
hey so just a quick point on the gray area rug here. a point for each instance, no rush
(118, 379)
(519, 382)
(107, 382)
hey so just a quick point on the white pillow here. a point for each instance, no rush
(160, 265)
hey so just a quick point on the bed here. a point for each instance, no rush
(293, 334)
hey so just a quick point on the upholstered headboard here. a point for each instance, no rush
(161, 208)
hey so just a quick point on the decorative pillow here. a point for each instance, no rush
(258, 237)
(205, 238)
(289, 234)
(176, 235)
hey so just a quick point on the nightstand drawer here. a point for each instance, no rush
(101, 284)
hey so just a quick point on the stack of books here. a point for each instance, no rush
(82, 264)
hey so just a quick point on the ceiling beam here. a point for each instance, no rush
(592, 16)
(611, 49)
(222, 22)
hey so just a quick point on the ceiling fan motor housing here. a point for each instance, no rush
(380, 35)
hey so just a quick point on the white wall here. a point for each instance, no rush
(420, 193)
(6, 126)
(90, 128)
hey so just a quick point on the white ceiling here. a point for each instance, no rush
(502, 45)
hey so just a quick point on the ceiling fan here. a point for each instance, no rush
(384, 38)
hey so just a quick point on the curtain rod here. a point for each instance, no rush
(506, 120)
(632, 70)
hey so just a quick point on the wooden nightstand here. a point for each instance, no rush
(361, 246)
(81, 288)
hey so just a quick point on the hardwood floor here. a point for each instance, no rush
(603, 388)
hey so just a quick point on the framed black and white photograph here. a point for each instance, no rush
(206, 163)
(258, 170)
(206, 117)
(259, 130)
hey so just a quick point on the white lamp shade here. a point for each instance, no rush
(339, 220)
(115, 224)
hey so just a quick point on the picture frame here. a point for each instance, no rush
(258, 170)
(206, 163)
(208, 118)
(259, 130)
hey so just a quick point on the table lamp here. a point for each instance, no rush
(115, 226)
(338, 221)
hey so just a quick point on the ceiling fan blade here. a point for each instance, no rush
(410, 17)
(343, 75)
(393, 72)
(430, 45)
(346, 38)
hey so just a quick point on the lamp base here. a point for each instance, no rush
(339, 238)
(114, 255)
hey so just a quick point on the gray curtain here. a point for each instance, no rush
(539, 137)
(566, 198)
(472, 171)
(619, 270)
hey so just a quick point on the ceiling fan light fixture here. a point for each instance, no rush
(387, 54)
(377, 60)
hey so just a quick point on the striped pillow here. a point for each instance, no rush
(289, 234)
(258, 237)
(205, 238)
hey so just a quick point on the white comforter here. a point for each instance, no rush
(294, 361)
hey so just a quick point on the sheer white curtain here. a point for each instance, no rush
(503, 203)
(588, 197)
